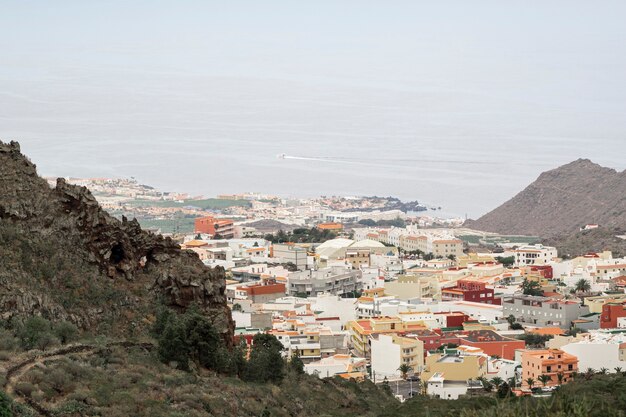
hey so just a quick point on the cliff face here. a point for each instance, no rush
(62, 256)
(560, 201)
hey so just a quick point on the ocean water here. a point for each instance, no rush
(455, 104)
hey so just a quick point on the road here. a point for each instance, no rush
(402, 387)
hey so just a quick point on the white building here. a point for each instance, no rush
(336, 364)
(599, 349)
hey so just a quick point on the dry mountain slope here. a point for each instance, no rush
(64, 258)
(560, 201)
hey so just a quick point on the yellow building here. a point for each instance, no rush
(408, 286)
(455, 367)
(447, 247)
(473, 258)
(595, 304)
(361, 330)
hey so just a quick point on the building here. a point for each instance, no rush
(542, 311)
(334, 227)
(534, 255)
(390, 351)
(336, 364)
(438, 387)
(260, 293)
(362, 330)
(455, 367)
(551, 362)
(221, 228)
(470, 290)
(611, 312)
(445, 248)
(335, 280)
(597, 350)
(491, 343)
(291, 253)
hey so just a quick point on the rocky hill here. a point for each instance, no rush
(64, 258)
(560, 201)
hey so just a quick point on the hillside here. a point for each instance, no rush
(66, 259)
(560, 201)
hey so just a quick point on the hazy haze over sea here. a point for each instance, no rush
(458, 104)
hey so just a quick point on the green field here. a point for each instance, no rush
(208, 204)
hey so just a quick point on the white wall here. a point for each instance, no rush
(446, 392)
(595, 355)
(385, 357)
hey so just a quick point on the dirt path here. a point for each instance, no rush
(15, 372)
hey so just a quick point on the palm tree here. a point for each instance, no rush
(404, 369)
(603, 371)
(618, 369)
(560, 377)
(589, 373)
(512, 382)
(530, 382)
(582, 285)
(497, 381)
(545, 379)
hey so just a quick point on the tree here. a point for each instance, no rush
(603, 371)
(35, 333)
(618, 369)
(511, 319)
(488, 386)
(497, 381)
(530, 382)
(582, 285)
(203, 342)
(404, 369)
(504, 390)
(517, 326)
(429, 256)
(266, 362)
(173, 346)
(237, 307)
(452, 257)
(296, 364)
(386, 387)
(560, 377)
(65, 331)
(506, 261)
(544, 379)
(531, 288)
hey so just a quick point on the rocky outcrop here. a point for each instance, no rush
(560, 201)
(116, 255)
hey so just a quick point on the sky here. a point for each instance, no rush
(459, 104)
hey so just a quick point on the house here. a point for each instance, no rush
(598, 349)
(454, 366)
(610, 313)
(438, 387)
(551, 362)
(542, 311)
(491, 343)
(470, 290)
(261, 293)
(534, 255)
(335, 280)
(291, 253)
(336, 364)
(389, 352)
(222, 228)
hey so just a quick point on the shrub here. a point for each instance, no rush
(25, 389)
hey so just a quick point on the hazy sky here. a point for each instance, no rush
(441, 101)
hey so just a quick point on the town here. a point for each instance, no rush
(358, 288)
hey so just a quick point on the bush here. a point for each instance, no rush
(25, 389)
(66, 332)
(5, 405)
